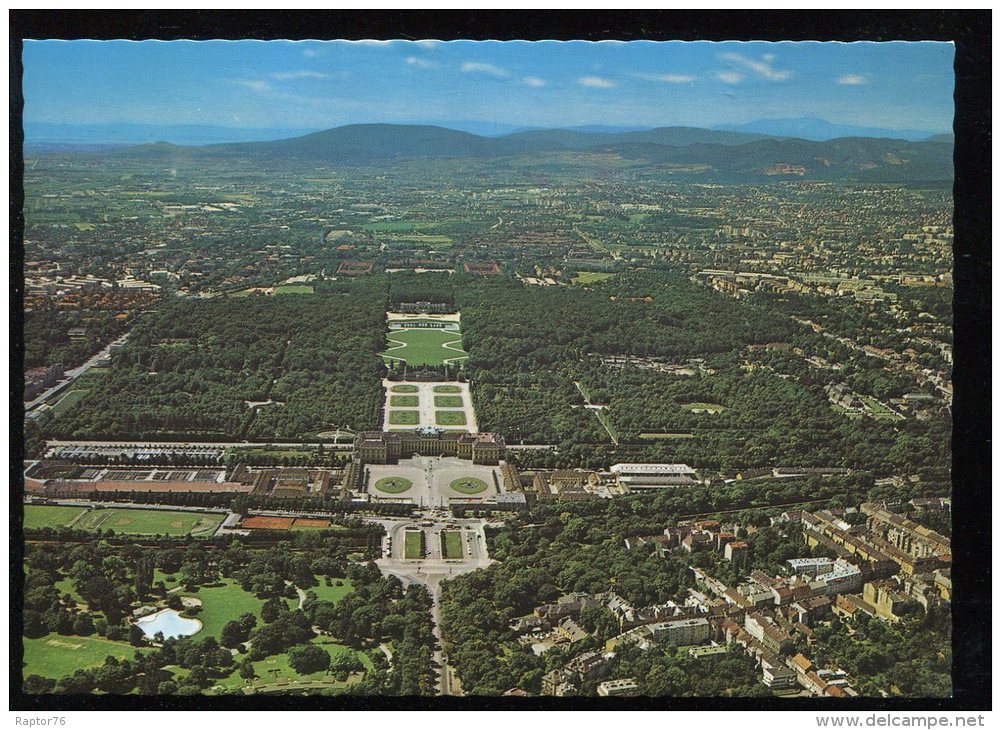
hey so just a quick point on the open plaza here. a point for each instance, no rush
(432, 481)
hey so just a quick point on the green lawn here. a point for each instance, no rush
(65, 585)
(424, 347)
(450, 418)
(333, 592)
(447, 389)
(222, 604)
(469, 485)
(453, 545)
(293, 289)
(393, 485)
(404, 418)
(404, 388)
(448, 401)
(404, 401)
(45, 515)
(56, 656)
(69, 399)
(150, 522)
(589, 277)
(275, 670)
(159, 575)
(413, 548)
(656, 436)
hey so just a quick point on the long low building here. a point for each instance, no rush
(382, 447)
(638, 476)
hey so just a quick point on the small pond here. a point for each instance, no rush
(168, 622)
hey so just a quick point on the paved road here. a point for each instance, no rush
(74, 373)
(434, 570)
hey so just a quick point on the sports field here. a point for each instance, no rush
(404, 401)
(452, 544)
(469, 485)
(56, 656)
(413, 548)
(43, 515)
(448, 401)
(69, 399)
(150, 522)
(404, 418)
(590, 277)
(425, 346)
(450, 418)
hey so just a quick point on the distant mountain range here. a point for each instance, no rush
(121, 133)
(42, 134)
(820, 130)
(684, 153)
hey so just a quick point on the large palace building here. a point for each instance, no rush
(382, 447)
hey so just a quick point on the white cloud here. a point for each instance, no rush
(260, 87)
(485, 68)
(762, 68)
(289, 75)
(421, 62)
(730, 77)
(595, 82)
(310, 53)
(428, 44)
(533, 81)
(853, 80)
(667, 78)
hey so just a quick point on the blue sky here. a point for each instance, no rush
(316, 84)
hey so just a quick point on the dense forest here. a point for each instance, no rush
(282, 367)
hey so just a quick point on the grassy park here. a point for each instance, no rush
(424, 346)
(275, 671)
(404, 401)
(223, 603)
(448, 401)
(404, 418)
(405, 388)
(450, 418)
(447, 389)
(56, 656)
(469, 485)
(452, 544)
(413, 547)
(393, 485)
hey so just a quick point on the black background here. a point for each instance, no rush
(969, 30)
